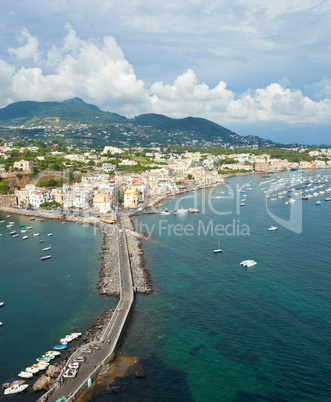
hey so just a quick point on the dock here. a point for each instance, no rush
(111, 337)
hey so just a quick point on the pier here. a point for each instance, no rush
(111, 337)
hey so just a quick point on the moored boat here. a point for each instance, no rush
(50, 234)
(248, 263)
(15, 389)
(2, 303)
(25, 374)
(46, 257)
(25, 237)
(60, 347)
(41, 241)
(47, 248)
(273, 228)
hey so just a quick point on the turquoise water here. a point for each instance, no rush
(215, 331)
(45, 300)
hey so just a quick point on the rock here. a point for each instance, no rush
(42, 383)
(53, 371)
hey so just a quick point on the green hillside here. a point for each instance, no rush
(30, 112)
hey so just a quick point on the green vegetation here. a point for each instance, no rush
(50, 182)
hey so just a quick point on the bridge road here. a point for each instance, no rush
(112, 332)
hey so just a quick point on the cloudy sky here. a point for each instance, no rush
(254, 66)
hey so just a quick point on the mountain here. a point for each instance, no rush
(73, 110)
(83, 123)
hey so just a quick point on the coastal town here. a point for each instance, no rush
(100, 181)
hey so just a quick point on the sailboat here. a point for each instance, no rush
(218, 250)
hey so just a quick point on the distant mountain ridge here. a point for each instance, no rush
(143, 129)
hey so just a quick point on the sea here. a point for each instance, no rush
(212, 330)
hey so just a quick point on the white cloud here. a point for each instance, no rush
(99, 73)
(30, 49)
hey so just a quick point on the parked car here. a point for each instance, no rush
(86, 350)
(80, 359)
(94, 346)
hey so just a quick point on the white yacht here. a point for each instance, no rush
(273, 228)
(15, 389)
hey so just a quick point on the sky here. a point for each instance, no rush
(257, 67)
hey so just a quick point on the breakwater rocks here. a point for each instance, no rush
(142, 280)
(109, 283)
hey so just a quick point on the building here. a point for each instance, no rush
(26, 166)
(9, 201)
(131, 198)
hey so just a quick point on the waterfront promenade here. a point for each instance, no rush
(113, 332)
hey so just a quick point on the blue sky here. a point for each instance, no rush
(256, 67)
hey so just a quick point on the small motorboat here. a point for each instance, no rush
(22, 226)
(60, 347)
(36, 234)
(25, 237)
(41, 241)
(10, 225)
(0, 324)
(25, 374)
(50, 234)
(32, 370)
(47, 257)
(3, 221)
(10, 382)
(32, 219)
(318, 203)
(23, 231)
(76, 334)
(2, 303)
(52, 353)
(273, 228)
(248, 263)
(15, 389)
(41, 220)
(8, 216)
(15, 235)
(47, 248)
(29, 227)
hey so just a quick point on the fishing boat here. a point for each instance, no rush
(47, 248)
(15, 389)
(46, 257)
(25, 374)
(60, 347)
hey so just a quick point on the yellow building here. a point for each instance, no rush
(130, 198)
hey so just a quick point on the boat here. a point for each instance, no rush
(46, 257)
(89, 382)
(41, 241)
(36, 234)
(32, 219)
(3, 221)
(242, 204)
(23, 231)
(8, 216)
(40, 219)
(32, 370)
(53, 353)
(273, 228)
(10, 225)
(328, 199)
(60, 347)
(15, 389)
(218, 250)
(182, 211)
(248, 263)
(25, 374)
(22, 226)
(29, 227)
(318, 203)
(0, 323)
(76, 334)
(13, 232)
(50, 234)
(10, 382)
(25, 237)
(2, 303)
(47, 248)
